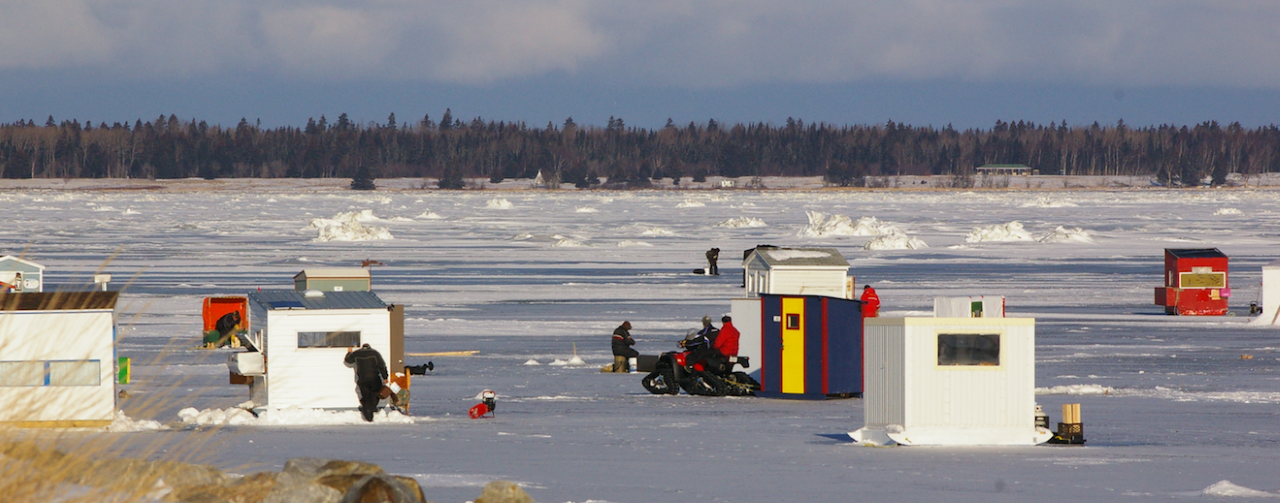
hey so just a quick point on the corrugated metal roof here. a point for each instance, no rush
(291, 299)
(802, 257)
(57, 301)
(1195, 252)
(333, 272)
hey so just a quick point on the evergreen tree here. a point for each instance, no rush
(363, 179)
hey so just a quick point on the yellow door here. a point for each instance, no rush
(793, 345)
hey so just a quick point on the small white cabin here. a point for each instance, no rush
(974, 306)
(949, 381)
(797, 271)
(1270, 301)
(299, 340)
(57, 359)
(18, 275)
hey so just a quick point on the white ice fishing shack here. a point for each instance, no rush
(796, 271)
(949, 381)
(1269, 295)
(18, 275)
(297, 342)
(57, 359)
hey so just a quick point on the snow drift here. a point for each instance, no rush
(740, 222)
(1065, 235)
(825, 225)
(349, 226)
(235, 416)
(999, 233)
(896, 241)
(499, 204)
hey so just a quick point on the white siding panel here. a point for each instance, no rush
(317, 377)
(829, 282)
(59, 335)
(746, 317)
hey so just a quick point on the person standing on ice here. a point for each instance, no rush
(622, 350)
(371, 376)
(712, 256)
(727, 341)
(870, 302)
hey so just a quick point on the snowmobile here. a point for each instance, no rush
(708, 376)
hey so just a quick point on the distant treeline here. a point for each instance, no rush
(450, 149)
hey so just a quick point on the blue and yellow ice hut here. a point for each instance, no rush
(812, 347)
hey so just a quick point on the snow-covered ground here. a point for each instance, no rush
(1170, 408)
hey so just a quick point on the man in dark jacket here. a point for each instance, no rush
(622, 350)
(371, 375)
(713, 255)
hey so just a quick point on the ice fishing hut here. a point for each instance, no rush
(949, 381)
(796, 271)
(333, 279)
(215, 309)
(1270, 295)
(299, 340)
(974, 306)
(784, 271)
(19, 275)
(57, 359)
(1195, 282)
(811, 346)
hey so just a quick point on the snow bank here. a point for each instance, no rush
(785, 255)
(564, 242)
(689, 203)
(627, 243)
(1228, 211)
(1076, 389)
(896, 241)
(429, 215)
(1226, 488)
(235, 416)
(656, 231)
(740, 222)
(1065, 235)
(123, 423)
(131, 211)
(999, 233)
(499, 204)
(1047, 202)
(824, 225)
(349, 226)
(586, 209)
(531, 361)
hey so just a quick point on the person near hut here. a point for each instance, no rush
(727, 340)
(226, 326)
(371, 377)
(622, 350)
(870, 302)
(700, 345)
(713, 255)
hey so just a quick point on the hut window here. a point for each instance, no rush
(793, 322)
(51, 373)
(75, 373)
(29, 373)
(968, 349)
(328, 339)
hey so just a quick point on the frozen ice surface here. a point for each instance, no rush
(1158, 427)
(825, 225)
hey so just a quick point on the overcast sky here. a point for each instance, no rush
(963, 62)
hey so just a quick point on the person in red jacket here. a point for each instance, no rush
(727, 342)
(871, 302)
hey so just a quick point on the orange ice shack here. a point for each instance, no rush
(1195, 282)
(217, 307)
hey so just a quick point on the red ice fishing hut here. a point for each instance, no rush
(1195, 282)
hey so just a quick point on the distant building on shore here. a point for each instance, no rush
(1006, 170)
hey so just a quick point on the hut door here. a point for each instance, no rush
(793, 345)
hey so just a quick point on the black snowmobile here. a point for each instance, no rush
(707, 376)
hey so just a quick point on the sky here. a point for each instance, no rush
(966, 63)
